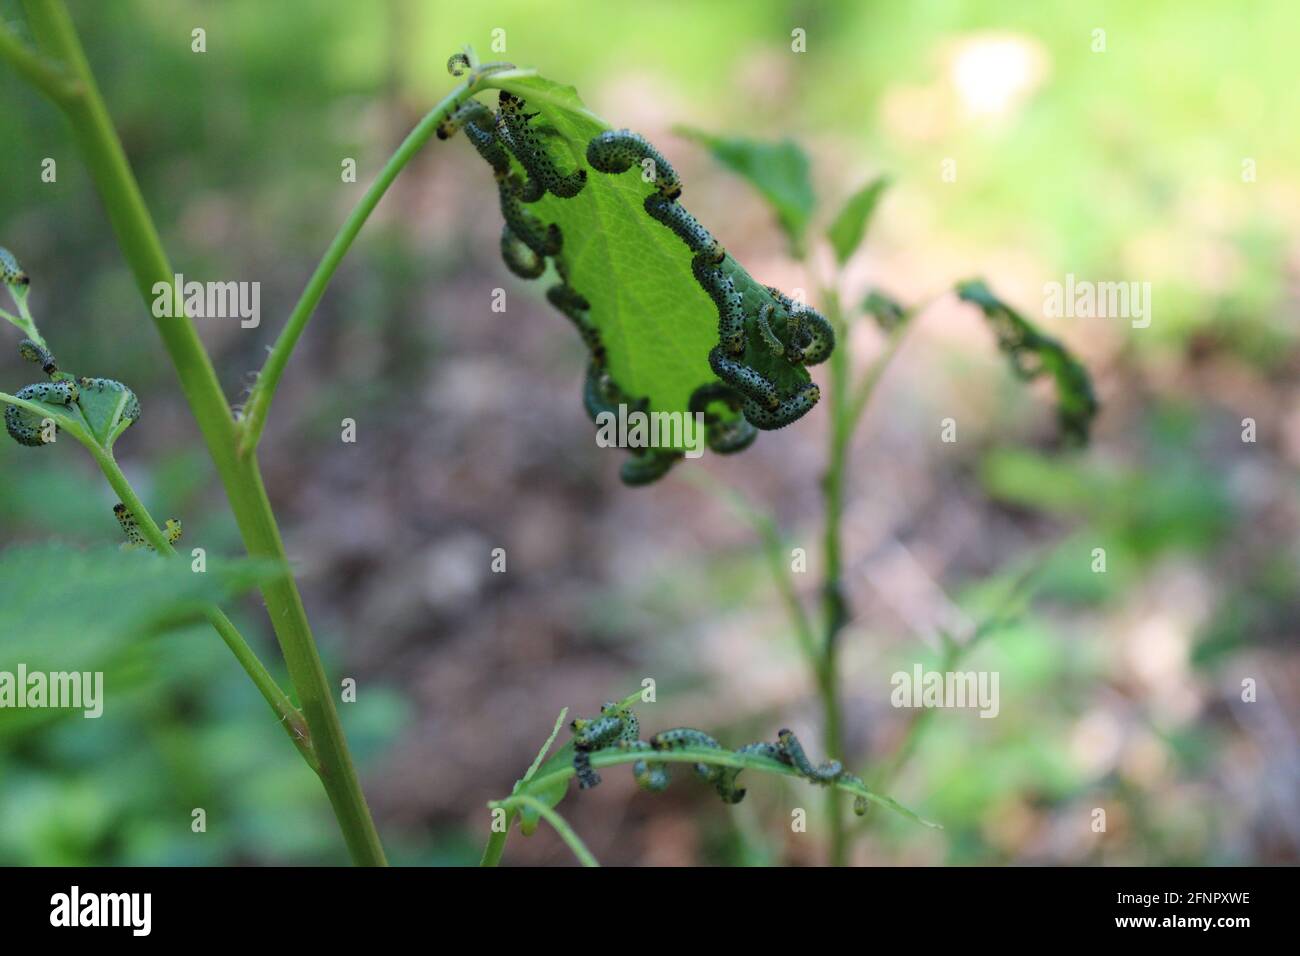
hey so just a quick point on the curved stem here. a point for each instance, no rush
(46, 75)
(560, 825)
(241, 477)
(290, 717)
(259, 402)
(547, 782)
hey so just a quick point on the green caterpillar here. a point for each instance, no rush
(615, 151)
(37, 353)
(726, 436)
(11, 273)
(522, 140)
(543, 240)
(24, 426)
(756, 347)
(134, 536)
(520, 259)
(615, 725)
(790, 752)
(685, 226)
(730, 303)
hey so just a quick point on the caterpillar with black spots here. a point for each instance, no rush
(11, 273)
(134, 536)
(725, 436)
(512, 123)
(616, 151)
(26, 427)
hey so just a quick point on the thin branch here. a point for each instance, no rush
(268, 379)
(48, 76)
(558, 822)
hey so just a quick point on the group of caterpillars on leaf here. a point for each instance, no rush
(750, 342)
(618, 728)
(28, 428)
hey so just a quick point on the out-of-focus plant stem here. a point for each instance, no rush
(138, 238)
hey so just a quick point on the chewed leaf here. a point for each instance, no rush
(642, 281)
(1032, 353)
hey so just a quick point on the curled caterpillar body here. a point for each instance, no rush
(686, 227)
(519, 259)
(721, 288)
(809, 334)
(791, 752)
(582, 769)
(724, 778)
(724, 436)
(543, 240)
(615, 151)
(786, 411)
(24, 426)
(524, 141)
(769, 338)
(11, 273)
(458, 63)
(479, 128)
(576, 308)
(647, 465)
(751, 383)
(615, 726)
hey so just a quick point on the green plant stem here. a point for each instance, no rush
(496, 844)
(691, 755)
(111, 172)
(774, 548)
(290, 717)
(46, 75)
(848, 402)
(259, 402)
(834, 607)
(560, 825)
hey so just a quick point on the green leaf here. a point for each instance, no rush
(550, 793)
(1032, 353)
(780, 171)
(846, 232)
(656, 322)
(65, 608)
(108, 407)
